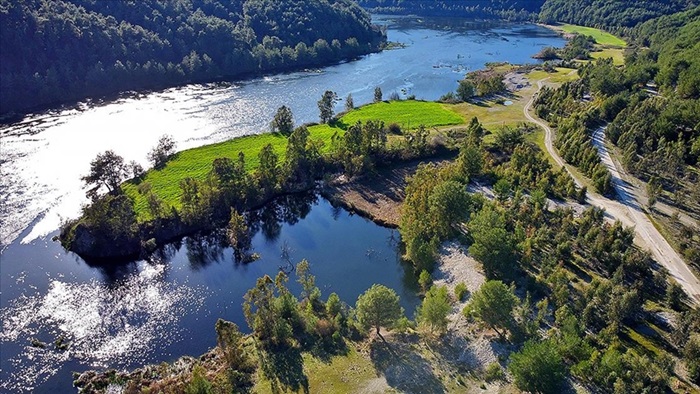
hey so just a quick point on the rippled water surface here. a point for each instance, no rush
(156, 311)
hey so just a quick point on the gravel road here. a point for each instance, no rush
(628, 210)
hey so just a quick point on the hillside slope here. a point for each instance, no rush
(55, 51)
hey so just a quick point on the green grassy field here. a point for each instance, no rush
(350, 373)
(196, 162)
(408, 114)
(617, 55)
(560, 76)
(601, 37)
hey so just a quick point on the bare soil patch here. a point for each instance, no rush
(378, 196)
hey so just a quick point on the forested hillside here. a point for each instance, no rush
(488, 9)
(60, 50)
(607, 13)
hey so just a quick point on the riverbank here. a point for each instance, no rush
(377, 196)
(154, 210)
(412, 361)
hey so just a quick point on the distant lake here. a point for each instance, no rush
(148, 312)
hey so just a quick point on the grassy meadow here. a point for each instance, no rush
(196, 162)
(601, 37)
(408, 114)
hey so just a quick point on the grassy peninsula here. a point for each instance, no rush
(196, 162)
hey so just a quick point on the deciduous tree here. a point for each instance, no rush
(107, 169)
(283, 122)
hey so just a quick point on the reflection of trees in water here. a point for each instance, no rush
(203, 250)
(113, 275)
(287, 209)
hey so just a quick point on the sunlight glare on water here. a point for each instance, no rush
(102, 326)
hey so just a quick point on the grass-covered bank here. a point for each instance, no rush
(196, 162)
(601, 37)
(197, 189)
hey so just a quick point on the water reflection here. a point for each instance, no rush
(100, 323)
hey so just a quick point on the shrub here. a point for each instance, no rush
(461, 291)
(494, 372)
(394, 128)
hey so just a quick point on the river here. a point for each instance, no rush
(155, 311)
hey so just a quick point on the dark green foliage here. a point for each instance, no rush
(425, 280)
(691, 355)
(326, 106)
(576, 120)
(470, 161)
(162, 152)
(349, 103)
(434, 309)
(493, 304)
(509, 137)
(240, 365)
(528, 169)
(486, 83)
(377, 94)
(607, 13)
(578, 48)
(493, 245)
(199, 383)
(466, 90)
(268, 172)
(461, 291)
(547, 53)
(487, 9)
(237, 232)
(362, 144)
(283, 122)
(433, 206)
(378, 307)
(60, 50)
(111, 216)
(538, 368)
(107, 169)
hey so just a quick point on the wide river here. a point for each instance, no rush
(148, 312)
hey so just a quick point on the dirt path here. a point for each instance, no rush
(656, 243)
(627, 210)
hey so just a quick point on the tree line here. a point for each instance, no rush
(608, 14)
(515, 10)
(56, 51)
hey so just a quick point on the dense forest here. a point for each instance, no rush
(606, 13)
(487, 9)
(55, 51)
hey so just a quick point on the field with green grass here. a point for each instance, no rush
(196, 162)
(616, 55)
(601, 37)
(408, 114)
(350, 373)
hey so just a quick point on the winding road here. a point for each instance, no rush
(628, 210)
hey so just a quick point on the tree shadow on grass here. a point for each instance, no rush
(404, 368)
(284, 368)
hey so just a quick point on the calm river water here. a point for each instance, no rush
(147, 312)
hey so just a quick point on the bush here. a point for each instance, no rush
(461, 291)
(425, 280)
(538, 367)
(394, 128)
(494, 372)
